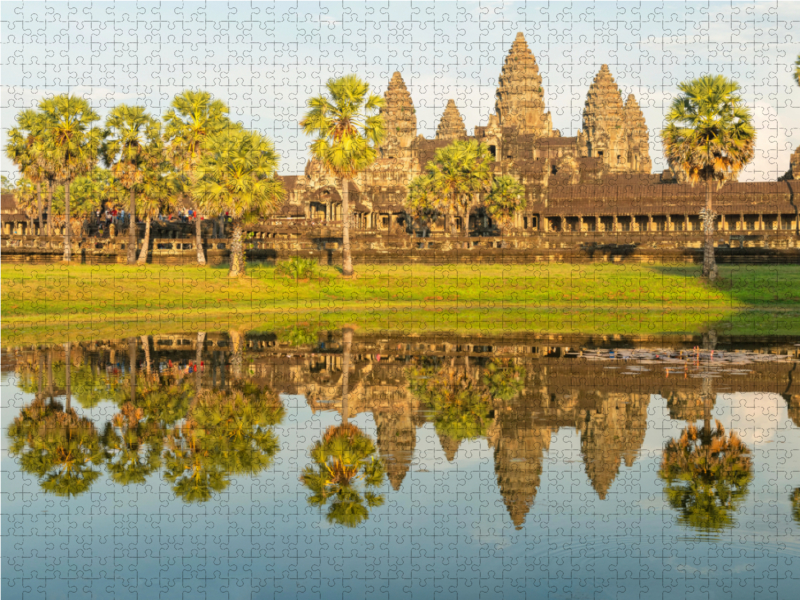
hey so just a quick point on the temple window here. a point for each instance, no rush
(493, 151)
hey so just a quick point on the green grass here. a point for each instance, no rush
(585, 299)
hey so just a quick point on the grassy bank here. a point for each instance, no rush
(598, 298)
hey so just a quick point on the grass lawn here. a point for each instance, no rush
(586, 299)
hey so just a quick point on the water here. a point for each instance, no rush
(467, 468)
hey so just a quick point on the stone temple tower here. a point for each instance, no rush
(399, 114)
(451, 127)
(613, 131)
(520, 96)
(638, 138)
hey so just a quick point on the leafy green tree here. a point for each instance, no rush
(133, 445)
(461, 408)
(71, 143)
(503, 379)
(89, 192)
(58, 447)
(344, 471)
(459, 171)
(237, 177)
(161, 189)
(132, 146)
(348, 130)
(25, 150)
(707, 474)
(422, 202)
(506, 197)
(7, 186)
(225, 434)
(709, 136)
(193, 119)
(26, 198)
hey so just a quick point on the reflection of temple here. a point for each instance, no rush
(608, 409)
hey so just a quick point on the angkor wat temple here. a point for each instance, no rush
(598, 181)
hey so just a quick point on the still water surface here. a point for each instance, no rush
(337, 465)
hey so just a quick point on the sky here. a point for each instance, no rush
(265, 59)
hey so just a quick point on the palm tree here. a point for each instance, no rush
(348, 131)
(70, 146)
(24, 148)
(160, 189)
(193, 119)
(709, 136)
(131, 148)
(57, 446)
(422, 203)
(707, 474)
(237, 177)
(344, 458)
(225, 434)
(133, 445)
(458, 171)
(506, 197)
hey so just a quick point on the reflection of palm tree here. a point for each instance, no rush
(462, 409)
(225, 434)
(796, 504)
(133, 445)
(347, 343)
(57, 446)
(344, 458)
(503, 379)
(707, 474)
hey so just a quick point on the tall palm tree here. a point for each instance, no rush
(421, 202)
(460, 170)
(344, 458)
(161, 187)
(131, 148)
(506, 197)
(193, 119)
(709, 136)
(348, 131)
(707, 474)
(24, 148)
(237, 177)
(70, 146)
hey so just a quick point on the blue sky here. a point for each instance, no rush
(265, 59)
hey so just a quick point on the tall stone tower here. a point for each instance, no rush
(520, 96)
(399, 115)
(638, 138)
(604, 123)
(451, 127)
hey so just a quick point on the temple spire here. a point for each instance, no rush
(451, 127)
(520, 96)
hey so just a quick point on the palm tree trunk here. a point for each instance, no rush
(132, 358)
(198, 239)
(198, 358)
(68, 391)
(49, 208)
(709, 264)
(237, 354)
(237, 250)
(145, 242)
(50, 372)
(347, 335)
(347, 268)
(67, 232)
(146, 346)
(39, 205)
(132, 229)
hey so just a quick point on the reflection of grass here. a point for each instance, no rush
(590, 299)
